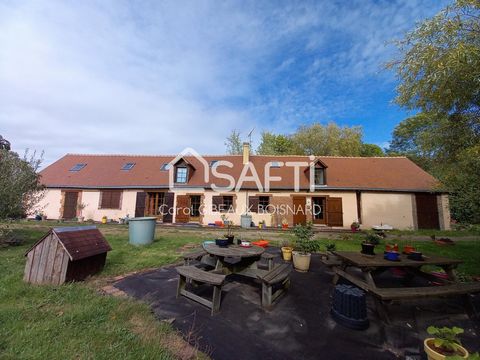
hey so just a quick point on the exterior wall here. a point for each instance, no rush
(387, 208)
(51, 203)
(92, 210)
(396, 209)
(444, 212)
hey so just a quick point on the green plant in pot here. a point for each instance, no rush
(444, 343)
(355, 226)
(229, 227)
(368, 245)
(304, 246)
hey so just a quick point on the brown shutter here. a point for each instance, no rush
(140, 204)
(253, 203)
(334, 211)
(182, 214)
(168, 208)
(115, 199)
(217, 201)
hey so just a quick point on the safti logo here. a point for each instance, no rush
(180, 169)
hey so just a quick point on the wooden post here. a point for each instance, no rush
(217, 294)
(181, 285)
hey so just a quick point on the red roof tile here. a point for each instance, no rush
(103, 171)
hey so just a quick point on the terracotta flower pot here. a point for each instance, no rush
(434, 355)
(301, 262)
(287, 253)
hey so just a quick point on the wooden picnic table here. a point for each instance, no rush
(372, 265)
(248, 259)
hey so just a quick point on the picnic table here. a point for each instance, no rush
(248, 258)
(374, 265)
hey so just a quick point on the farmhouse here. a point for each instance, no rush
(187, 188)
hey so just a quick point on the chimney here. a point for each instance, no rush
(246, 153)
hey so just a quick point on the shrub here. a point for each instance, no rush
(304, 242)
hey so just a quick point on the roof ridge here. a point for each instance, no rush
(235, 155)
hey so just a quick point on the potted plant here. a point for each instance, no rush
(355, 226)
(229, 234)
(80, 207)
(304, 246)
(368, 245)
(284, 224)
(445, 343)
(287, 250)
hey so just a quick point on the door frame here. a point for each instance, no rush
(325, 220)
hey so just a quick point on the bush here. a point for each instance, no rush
(372, 238)
(304, 242)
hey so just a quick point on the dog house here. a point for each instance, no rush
(66, 254)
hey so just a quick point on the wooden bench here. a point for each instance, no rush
(269, 258)
(407, 293)
(192, 273)
(278, 275)
(194, 256)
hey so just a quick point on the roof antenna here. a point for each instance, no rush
(250, 137)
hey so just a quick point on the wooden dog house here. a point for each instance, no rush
(66, 254)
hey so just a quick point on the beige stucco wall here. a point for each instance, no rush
(387, 208)
(444, 211)
(51, 203)
(91, 199)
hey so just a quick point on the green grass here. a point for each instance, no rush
(75, 321)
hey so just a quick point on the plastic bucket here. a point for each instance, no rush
(141, 230)
(245, 221)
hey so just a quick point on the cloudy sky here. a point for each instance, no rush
(152, 77)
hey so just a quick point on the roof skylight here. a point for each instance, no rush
(128, 166)
(78, 167)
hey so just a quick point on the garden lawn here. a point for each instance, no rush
(74, 320)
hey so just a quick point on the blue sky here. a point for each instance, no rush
(152, 77)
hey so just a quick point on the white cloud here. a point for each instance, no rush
(154, 77)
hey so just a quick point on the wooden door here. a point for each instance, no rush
(334, 211)
(427, 211)
(299, 210)
(140, 204)
(182, 211)
(195, 207)
(167, 210)
(70, 205)
(319, 214)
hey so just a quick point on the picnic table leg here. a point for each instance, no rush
(217, 293)
(450, 271)
(336, 277)
(219, 264)
(182, 280)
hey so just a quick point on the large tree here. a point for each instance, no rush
(439, 75)
(330, 139)
(20, 188)
(4, 143)
(273, 144)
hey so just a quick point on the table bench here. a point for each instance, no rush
(192, 273)
(277, 275)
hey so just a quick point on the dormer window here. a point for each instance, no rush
(78, 167)
(275, 164)
(181, 175)
(319, 175)
(213, 163)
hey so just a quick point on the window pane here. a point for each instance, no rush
(181, 175)
(319, 176)
(78, 167)
(128, 166)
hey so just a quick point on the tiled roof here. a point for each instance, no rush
(104, 171)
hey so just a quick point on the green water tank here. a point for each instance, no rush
(141, 230)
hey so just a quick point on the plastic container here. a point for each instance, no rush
(141, 230)
(245, 221)
(261, 243)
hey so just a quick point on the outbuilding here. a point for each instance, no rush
(66, 254)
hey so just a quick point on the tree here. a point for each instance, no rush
(4, 144)
(234, 143)
(439, 73)
(439, 68)
(371, 150)
(331, 139)
(20, 187)
(272, 144)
